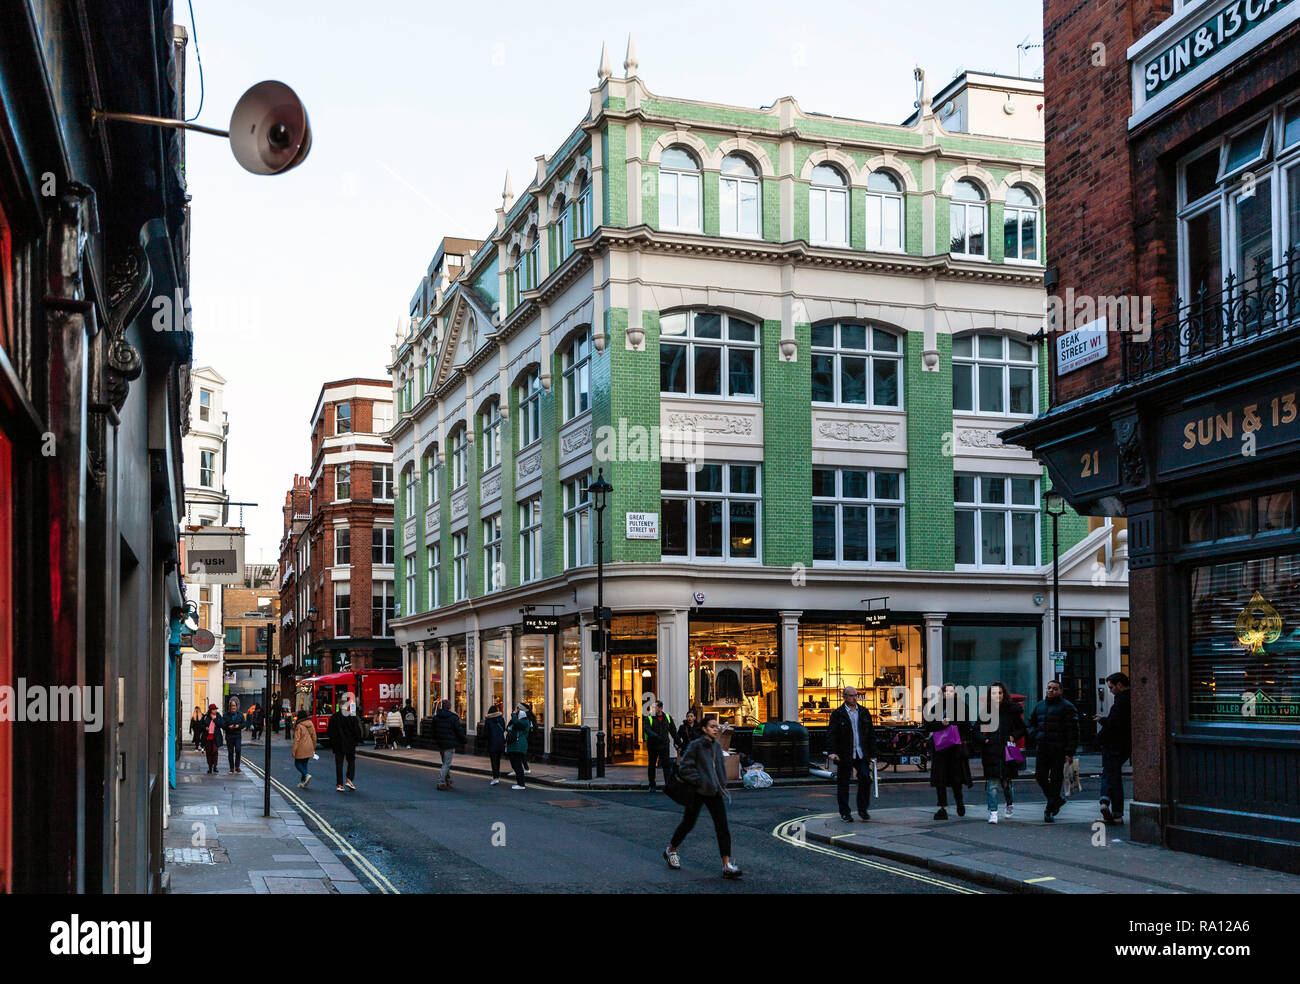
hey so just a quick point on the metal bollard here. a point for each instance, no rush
(600, 755)
(584, 754)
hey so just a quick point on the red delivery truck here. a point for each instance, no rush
(320, 695)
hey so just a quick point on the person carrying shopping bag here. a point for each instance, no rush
(304, 746)
(517, 743)
(999, 754)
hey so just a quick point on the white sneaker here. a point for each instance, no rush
(518, 787)
(493, 782)
(1011, 810)
(993, 816)
(306, 782)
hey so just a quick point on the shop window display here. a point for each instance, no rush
(494, 651)
(736, 671)
(571, 676)
(634, 676)
(884, 664)
(530, 677)
(978, 655)
(1244, 645)
(460, 698)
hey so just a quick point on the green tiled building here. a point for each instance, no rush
(788, 341)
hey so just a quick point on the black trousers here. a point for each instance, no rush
(717, 810)
(495, 758)
(664, 756)
(844, 777)
(956, 795)
(517, 763)
(339, 756)
(234, 749)
(1049, 772)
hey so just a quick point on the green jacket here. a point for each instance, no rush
(517, 735)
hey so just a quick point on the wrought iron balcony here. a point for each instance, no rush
(1267, 303)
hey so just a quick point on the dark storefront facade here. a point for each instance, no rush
(1189, 423)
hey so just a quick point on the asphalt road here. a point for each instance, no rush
(481, 838)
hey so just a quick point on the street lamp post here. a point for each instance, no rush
(599, 491)
(266, 742)
(1055, 504)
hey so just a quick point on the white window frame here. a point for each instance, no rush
(387, 546)
(583, 225)
(208, 468)
(1005, 508)
(460, 565)
(343, 482)
(530, 409)
(871, 503)
(871, 354)
(563, 233)
(385, 483)
(1006, 363)
(982, 207)
(738, 184)
(530, 540)
(342, 554)
(431, 477)
(725, 343)
(410, 491)
(387, 592)
(490, 419)
(459, 458)
(576, 374)
(1020, 213)
(577, 519)
(691, 496)
(343, 418)
(675, 177)
(205, 404)
(492, 527)
(433, 563)
(1277, 167)
(347, 587)
(877, 202)
(824, 192)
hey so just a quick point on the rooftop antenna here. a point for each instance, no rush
(1021, 48)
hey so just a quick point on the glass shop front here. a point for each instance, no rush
(886, 665)
(735, 671)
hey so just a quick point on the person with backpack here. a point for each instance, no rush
(658, 730)
(393, 721)
(517, 743)
(1054, 726)
(304, 746)
(999, 769)
(494, 726)
(410, 722)
(702, 771)
(233, 724)
(448, 734)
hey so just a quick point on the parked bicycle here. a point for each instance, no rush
(903, 745)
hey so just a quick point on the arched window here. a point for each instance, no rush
(856, 365)
(534, 268)
(708, 353)
(738, 197)
(884, 211)
(966, 219)
(1020, 225)
(431, 475)
(459, 457)
(490, 421)
(993, 374)
(679, 190)
(828, 207)
(409, 490)
(563, 231)
(516, 277)
(575, 362)
(529, 395)
(582, 221)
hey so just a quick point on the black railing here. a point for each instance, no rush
(1245, 309)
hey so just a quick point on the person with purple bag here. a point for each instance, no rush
(950, 733)
(1001, 757)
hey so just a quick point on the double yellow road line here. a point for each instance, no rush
(791, 831)
(359, 860)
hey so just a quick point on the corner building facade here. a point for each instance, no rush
(788, 341)
(1176, 174)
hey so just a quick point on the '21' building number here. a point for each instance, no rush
(1091, 464)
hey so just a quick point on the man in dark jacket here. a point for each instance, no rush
(448, 734)
(1054, 725)
(410, 722)
(850, 740)
(658, 730)
(233, 724)
(344, 732)
(1116, 740)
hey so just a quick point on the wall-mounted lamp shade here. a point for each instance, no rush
(269, 130)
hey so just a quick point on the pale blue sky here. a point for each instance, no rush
(418, 109)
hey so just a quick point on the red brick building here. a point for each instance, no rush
(1173, 163)
(337, 551)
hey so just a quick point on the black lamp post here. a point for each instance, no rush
(599, 491)
(1054, 502)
